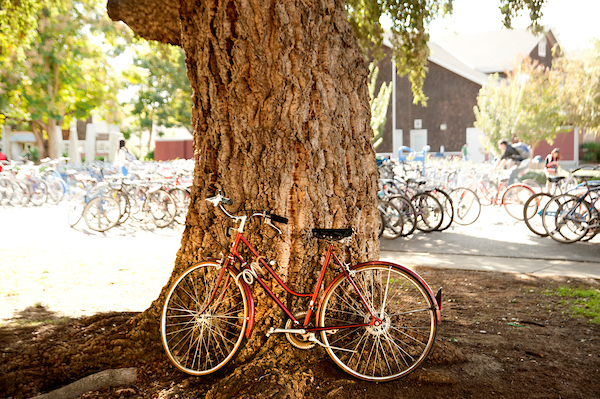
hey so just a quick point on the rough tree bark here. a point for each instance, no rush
(281, 122)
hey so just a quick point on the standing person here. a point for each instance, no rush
(123, 154)
(551, 166)
(124, 157)
(464, 152)
(510, 153)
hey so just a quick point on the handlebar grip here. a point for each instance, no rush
(279, 219)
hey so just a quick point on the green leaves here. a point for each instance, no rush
(59, 71)
(579, 77)
(525, 107)
(534, 104)
(408, 32)
(379, 104)
(163, 92)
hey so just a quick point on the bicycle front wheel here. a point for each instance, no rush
(429, 212)
(514, 199)
(378, 353)
(160, 207)
(202, 324)
(532, 213)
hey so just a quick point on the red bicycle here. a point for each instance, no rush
(376, 320)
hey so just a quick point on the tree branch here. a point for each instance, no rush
(151, 19)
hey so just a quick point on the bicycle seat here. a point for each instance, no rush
(554, 179)
(332, 234)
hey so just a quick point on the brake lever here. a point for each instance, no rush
(270, 223)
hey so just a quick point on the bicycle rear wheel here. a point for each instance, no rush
(202, 332)
(392, 220)
(102, 213)
(514, 199)
(467, 207)
(182, 201)
(378, 353)
(448, 207)
(407, 210)
(566, 218)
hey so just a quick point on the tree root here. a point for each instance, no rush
(103, 379)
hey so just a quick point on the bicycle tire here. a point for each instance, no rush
(448, 207)
(381, 224)
(75, 212)
(6, 191)
(532, 213)
(20, 193)
(400, 344)
(38, 192)
(124, 205)
(160, 207)
(102, 213)
(466, 205)
(429, 212)
(201, 338)
(56, 190)
(555, 218)
(392, 218)
(514, 199)
(182, 202)
(407, 210)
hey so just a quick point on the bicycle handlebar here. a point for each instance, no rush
(219, 200)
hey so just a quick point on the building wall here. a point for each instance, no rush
(564, 141)
(173, 149)
(451, 99)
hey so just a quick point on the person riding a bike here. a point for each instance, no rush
(510, 153)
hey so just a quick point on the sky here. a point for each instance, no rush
(575, 22)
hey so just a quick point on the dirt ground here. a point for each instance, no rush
(501, 336)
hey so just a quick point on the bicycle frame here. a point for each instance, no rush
(234, 257)
(229, 264)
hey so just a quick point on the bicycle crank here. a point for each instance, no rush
(299, 340)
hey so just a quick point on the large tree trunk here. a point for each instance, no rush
(281, 122)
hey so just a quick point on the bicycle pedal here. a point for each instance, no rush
(274, 330)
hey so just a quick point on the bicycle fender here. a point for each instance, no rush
(248, 292)
(435, 298)
(250, 325)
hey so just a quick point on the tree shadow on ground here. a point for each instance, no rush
(36, 315)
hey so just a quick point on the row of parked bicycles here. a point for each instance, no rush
(100, 194)
(568, 212)
(449, 192)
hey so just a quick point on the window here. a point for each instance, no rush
(542, 48)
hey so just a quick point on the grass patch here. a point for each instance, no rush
(581, 302)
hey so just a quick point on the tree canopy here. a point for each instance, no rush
(523, 107)
(579, 78)
(59, 73)
(408, 31)
(162, 91)
(534, 104)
